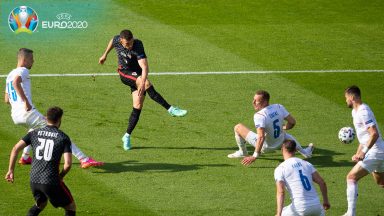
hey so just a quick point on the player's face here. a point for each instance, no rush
(348, 100)
(258, 102)
(126, 43)
(28, 61)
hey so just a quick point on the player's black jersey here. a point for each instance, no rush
(48, 144)
(128, 59)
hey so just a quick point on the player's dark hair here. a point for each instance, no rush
(126, 34)
(54, 114)
(264, 94)
(354, 91)
(24, 52)
(290, 145)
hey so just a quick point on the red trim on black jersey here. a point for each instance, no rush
(126, 76)
(66, 190)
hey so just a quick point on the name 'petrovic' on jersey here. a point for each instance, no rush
(47, 134)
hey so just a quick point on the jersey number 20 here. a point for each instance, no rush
(45, 149)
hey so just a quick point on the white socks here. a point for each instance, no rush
(351, 196)
(241, 143)
(78, 153)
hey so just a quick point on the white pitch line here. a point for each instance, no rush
(213, 73)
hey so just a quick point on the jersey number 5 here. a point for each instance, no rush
(45, 149)
(12, 92)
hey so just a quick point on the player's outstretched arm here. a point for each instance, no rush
(105, 54)
(67, 164)
(279, 197)
(12, 160)
(323, 188)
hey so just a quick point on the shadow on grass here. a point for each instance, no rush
(135, 166)
(321, 158)
(325, 158)
(185, 147)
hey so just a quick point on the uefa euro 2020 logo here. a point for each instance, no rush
(23, 19)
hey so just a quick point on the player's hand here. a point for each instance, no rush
(248, 160)
(355, 158)
(326, 205)
(28, 106)
(9, 176)
(102, 59)
(360, 155)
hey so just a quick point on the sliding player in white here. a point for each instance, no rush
(270, 130)
(18, 95)
(370, 153)
(297, 176)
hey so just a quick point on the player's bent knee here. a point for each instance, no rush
(148, 84)
(42, 205)
(71, 206)
(138, 106)
(351, 177)
(238, 127)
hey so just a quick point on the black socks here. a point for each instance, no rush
(157, 97)
(133, 119)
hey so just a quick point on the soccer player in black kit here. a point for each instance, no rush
(133, 71)
(48, 144)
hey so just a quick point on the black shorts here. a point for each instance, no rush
(129, 78)
(58, 195)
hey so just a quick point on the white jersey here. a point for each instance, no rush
(271, 118)
(363, 118)
(18, 107)
(297, 177)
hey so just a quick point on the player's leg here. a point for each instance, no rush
(243, 135)
(306, 152)
(60, 196)
(154, 95)
(357, 172)
(289, 210)
(85, 161)
(40, 199)
(36, 209)
(70, 210)
(133, 118)
(378, 174)
(32, 120)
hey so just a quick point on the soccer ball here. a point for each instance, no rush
(346, 135)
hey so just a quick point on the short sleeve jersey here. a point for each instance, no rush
(128, 59)
(271, 118)
(48, 144)
(14, 99)
(297, 177)
(363, 118)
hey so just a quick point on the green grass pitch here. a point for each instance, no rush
(179, 166)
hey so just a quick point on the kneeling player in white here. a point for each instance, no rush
(297, 176)
(370, 153)
(18, 94)
(270, 130)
